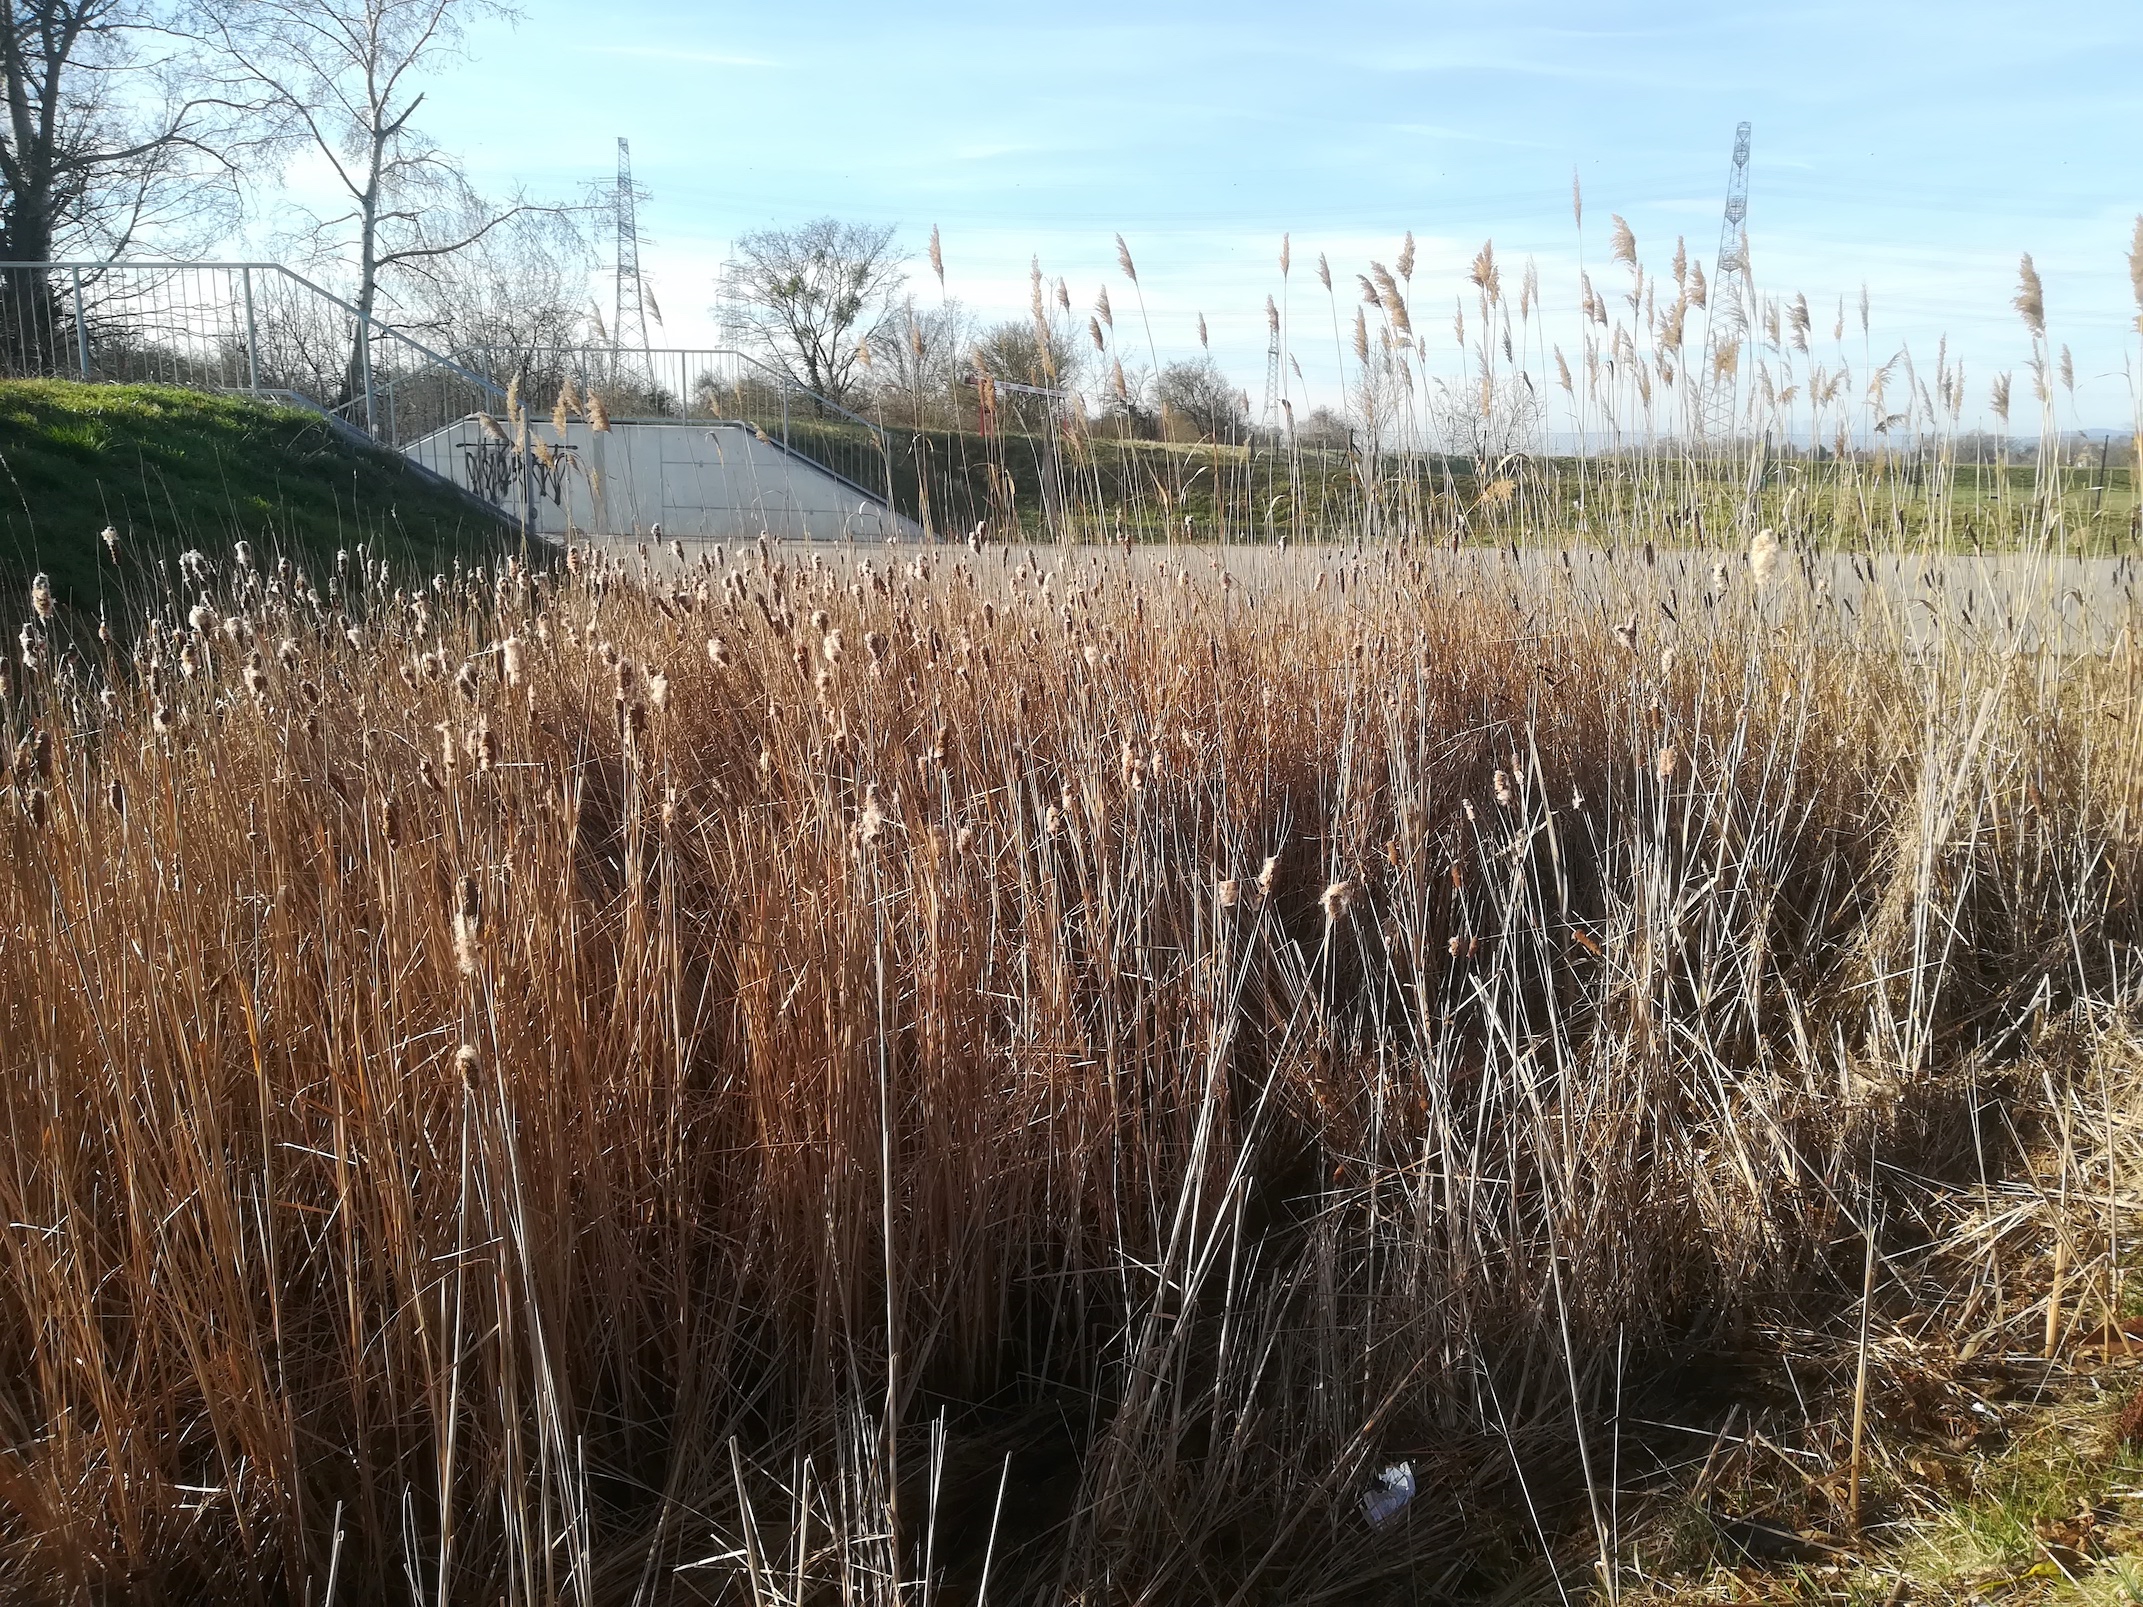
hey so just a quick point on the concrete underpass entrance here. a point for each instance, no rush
(717, 480)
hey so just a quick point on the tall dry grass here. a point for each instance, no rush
(955, 1074)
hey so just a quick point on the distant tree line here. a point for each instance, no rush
(829, 303)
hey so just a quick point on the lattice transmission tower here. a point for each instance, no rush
(628, 324)
(1274, 379)
(1730, 308)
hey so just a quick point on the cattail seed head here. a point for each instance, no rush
(1763, 556)
(1229, 892)
(1338, 900)
(1667, 763)
(1267, 875)
(41, 596)
(1504, 793)
(468, 924)
(871, 825)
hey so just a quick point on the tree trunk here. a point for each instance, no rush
(30, 337)
(357, 379)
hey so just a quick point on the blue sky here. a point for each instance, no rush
(1915, 148)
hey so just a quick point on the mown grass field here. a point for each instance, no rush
(1094, 486)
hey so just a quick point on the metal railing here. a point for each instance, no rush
(251, 326)
(262, 328)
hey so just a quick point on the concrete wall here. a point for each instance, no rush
(718, 481)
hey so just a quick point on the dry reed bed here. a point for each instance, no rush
(770, 1075)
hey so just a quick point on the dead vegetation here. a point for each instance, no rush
(961, 1074)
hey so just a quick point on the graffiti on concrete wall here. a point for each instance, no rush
(493, 470)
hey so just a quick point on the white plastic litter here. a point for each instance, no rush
(1389, 1496)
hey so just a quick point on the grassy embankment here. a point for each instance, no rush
(172, 469)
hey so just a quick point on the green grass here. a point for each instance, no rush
(173, 468)
(950, 479)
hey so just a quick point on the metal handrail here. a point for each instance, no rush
(204, 322)
(373, 322)
(365, 318)
(775, 376)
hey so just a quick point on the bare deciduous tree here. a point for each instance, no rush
(815, 294)
(341, 81)
(1194, 395)
(102, 142)
(917, 362)
(1029, 353)
(517, 291)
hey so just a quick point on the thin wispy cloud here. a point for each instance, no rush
(686, 58)
(1467, 136)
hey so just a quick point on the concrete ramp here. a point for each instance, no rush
(715, 480)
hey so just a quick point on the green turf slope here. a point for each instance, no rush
(172, 469)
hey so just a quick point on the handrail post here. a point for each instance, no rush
(364, 352)
(81, 329)
(252, 337)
